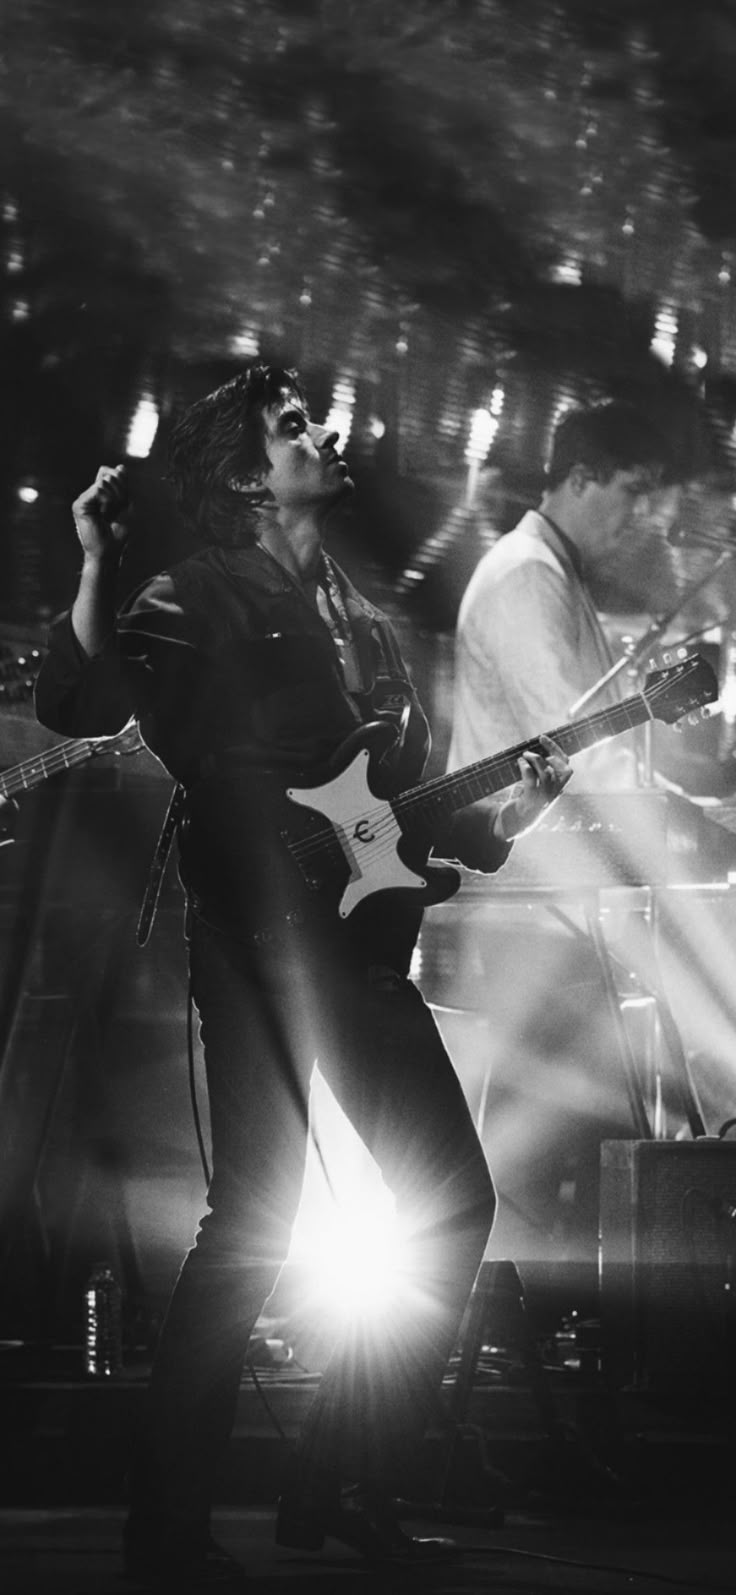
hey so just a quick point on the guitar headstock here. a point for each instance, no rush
(680, 689)
(122, 744)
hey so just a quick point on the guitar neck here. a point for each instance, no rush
(32, 772)
(445, 794)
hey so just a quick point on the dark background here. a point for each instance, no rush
(433, 203)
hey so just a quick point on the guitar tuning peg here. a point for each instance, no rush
(682, 653)
(676, 726)
(693, 719)
(652, 665)
(667, 656)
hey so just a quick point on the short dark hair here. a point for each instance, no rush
(222, 437)
(605, 438)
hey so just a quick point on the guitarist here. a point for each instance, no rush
(529, 644)
(249, 665)
(529, 639)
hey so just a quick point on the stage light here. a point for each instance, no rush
(665, 334)
(568, 271)
(245, 343)
(483, 428)
(143, 428)
(28, 494)
(356, 1260)
(347, 1244)
(340, 416)
(484, 424)
(377, 427)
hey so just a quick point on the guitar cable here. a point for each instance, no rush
(193, 1082)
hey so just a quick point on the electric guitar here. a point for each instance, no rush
(371, 844)
(65, 756)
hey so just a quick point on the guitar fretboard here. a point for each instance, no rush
(446, 793)
(65, 756)
(33, 771)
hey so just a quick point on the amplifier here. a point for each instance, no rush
(667, 1265)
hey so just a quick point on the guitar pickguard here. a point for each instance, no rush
(366, 829)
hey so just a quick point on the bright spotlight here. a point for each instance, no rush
(143, 428)
(484, 424)
(664, 339)
(568, 270)
(483, 428)
(28, 494)
(357, 1262)
(340, 417)
(348, 1244)
(246, 343)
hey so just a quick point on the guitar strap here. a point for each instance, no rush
(396, 704)
(331, 607)
(159, 861)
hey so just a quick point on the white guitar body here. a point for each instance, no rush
(366, 829)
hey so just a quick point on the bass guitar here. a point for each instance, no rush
(66, 756)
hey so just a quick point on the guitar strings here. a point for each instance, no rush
(383, 816)
(58, 758)
(64, 756)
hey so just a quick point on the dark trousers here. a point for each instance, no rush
(380, 1052)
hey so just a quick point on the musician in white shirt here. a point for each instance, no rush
(529, 642)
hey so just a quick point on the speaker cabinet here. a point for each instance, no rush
(667, 1266)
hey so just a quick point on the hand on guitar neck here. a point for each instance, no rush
(545, 772)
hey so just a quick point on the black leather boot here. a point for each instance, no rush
(360, 1517)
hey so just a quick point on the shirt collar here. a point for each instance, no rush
(571, 548)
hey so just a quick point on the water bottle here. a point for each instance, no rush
(103, 1346)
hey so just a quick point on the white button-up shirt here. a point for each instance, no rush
(529, 643)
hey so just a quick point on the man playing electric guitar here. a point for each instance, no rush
(256, 670)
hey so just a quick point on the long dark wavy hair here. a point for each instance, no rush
(219, 439)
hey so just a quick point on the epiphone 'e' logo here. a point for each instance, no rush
(362, 833)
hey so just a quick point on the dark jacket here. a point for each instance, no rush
(239, 689)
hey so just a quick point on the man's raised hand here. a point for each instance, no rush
(100, 513)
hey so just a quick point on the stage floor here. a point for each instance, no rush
(75, 1551)
(633, 1495)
